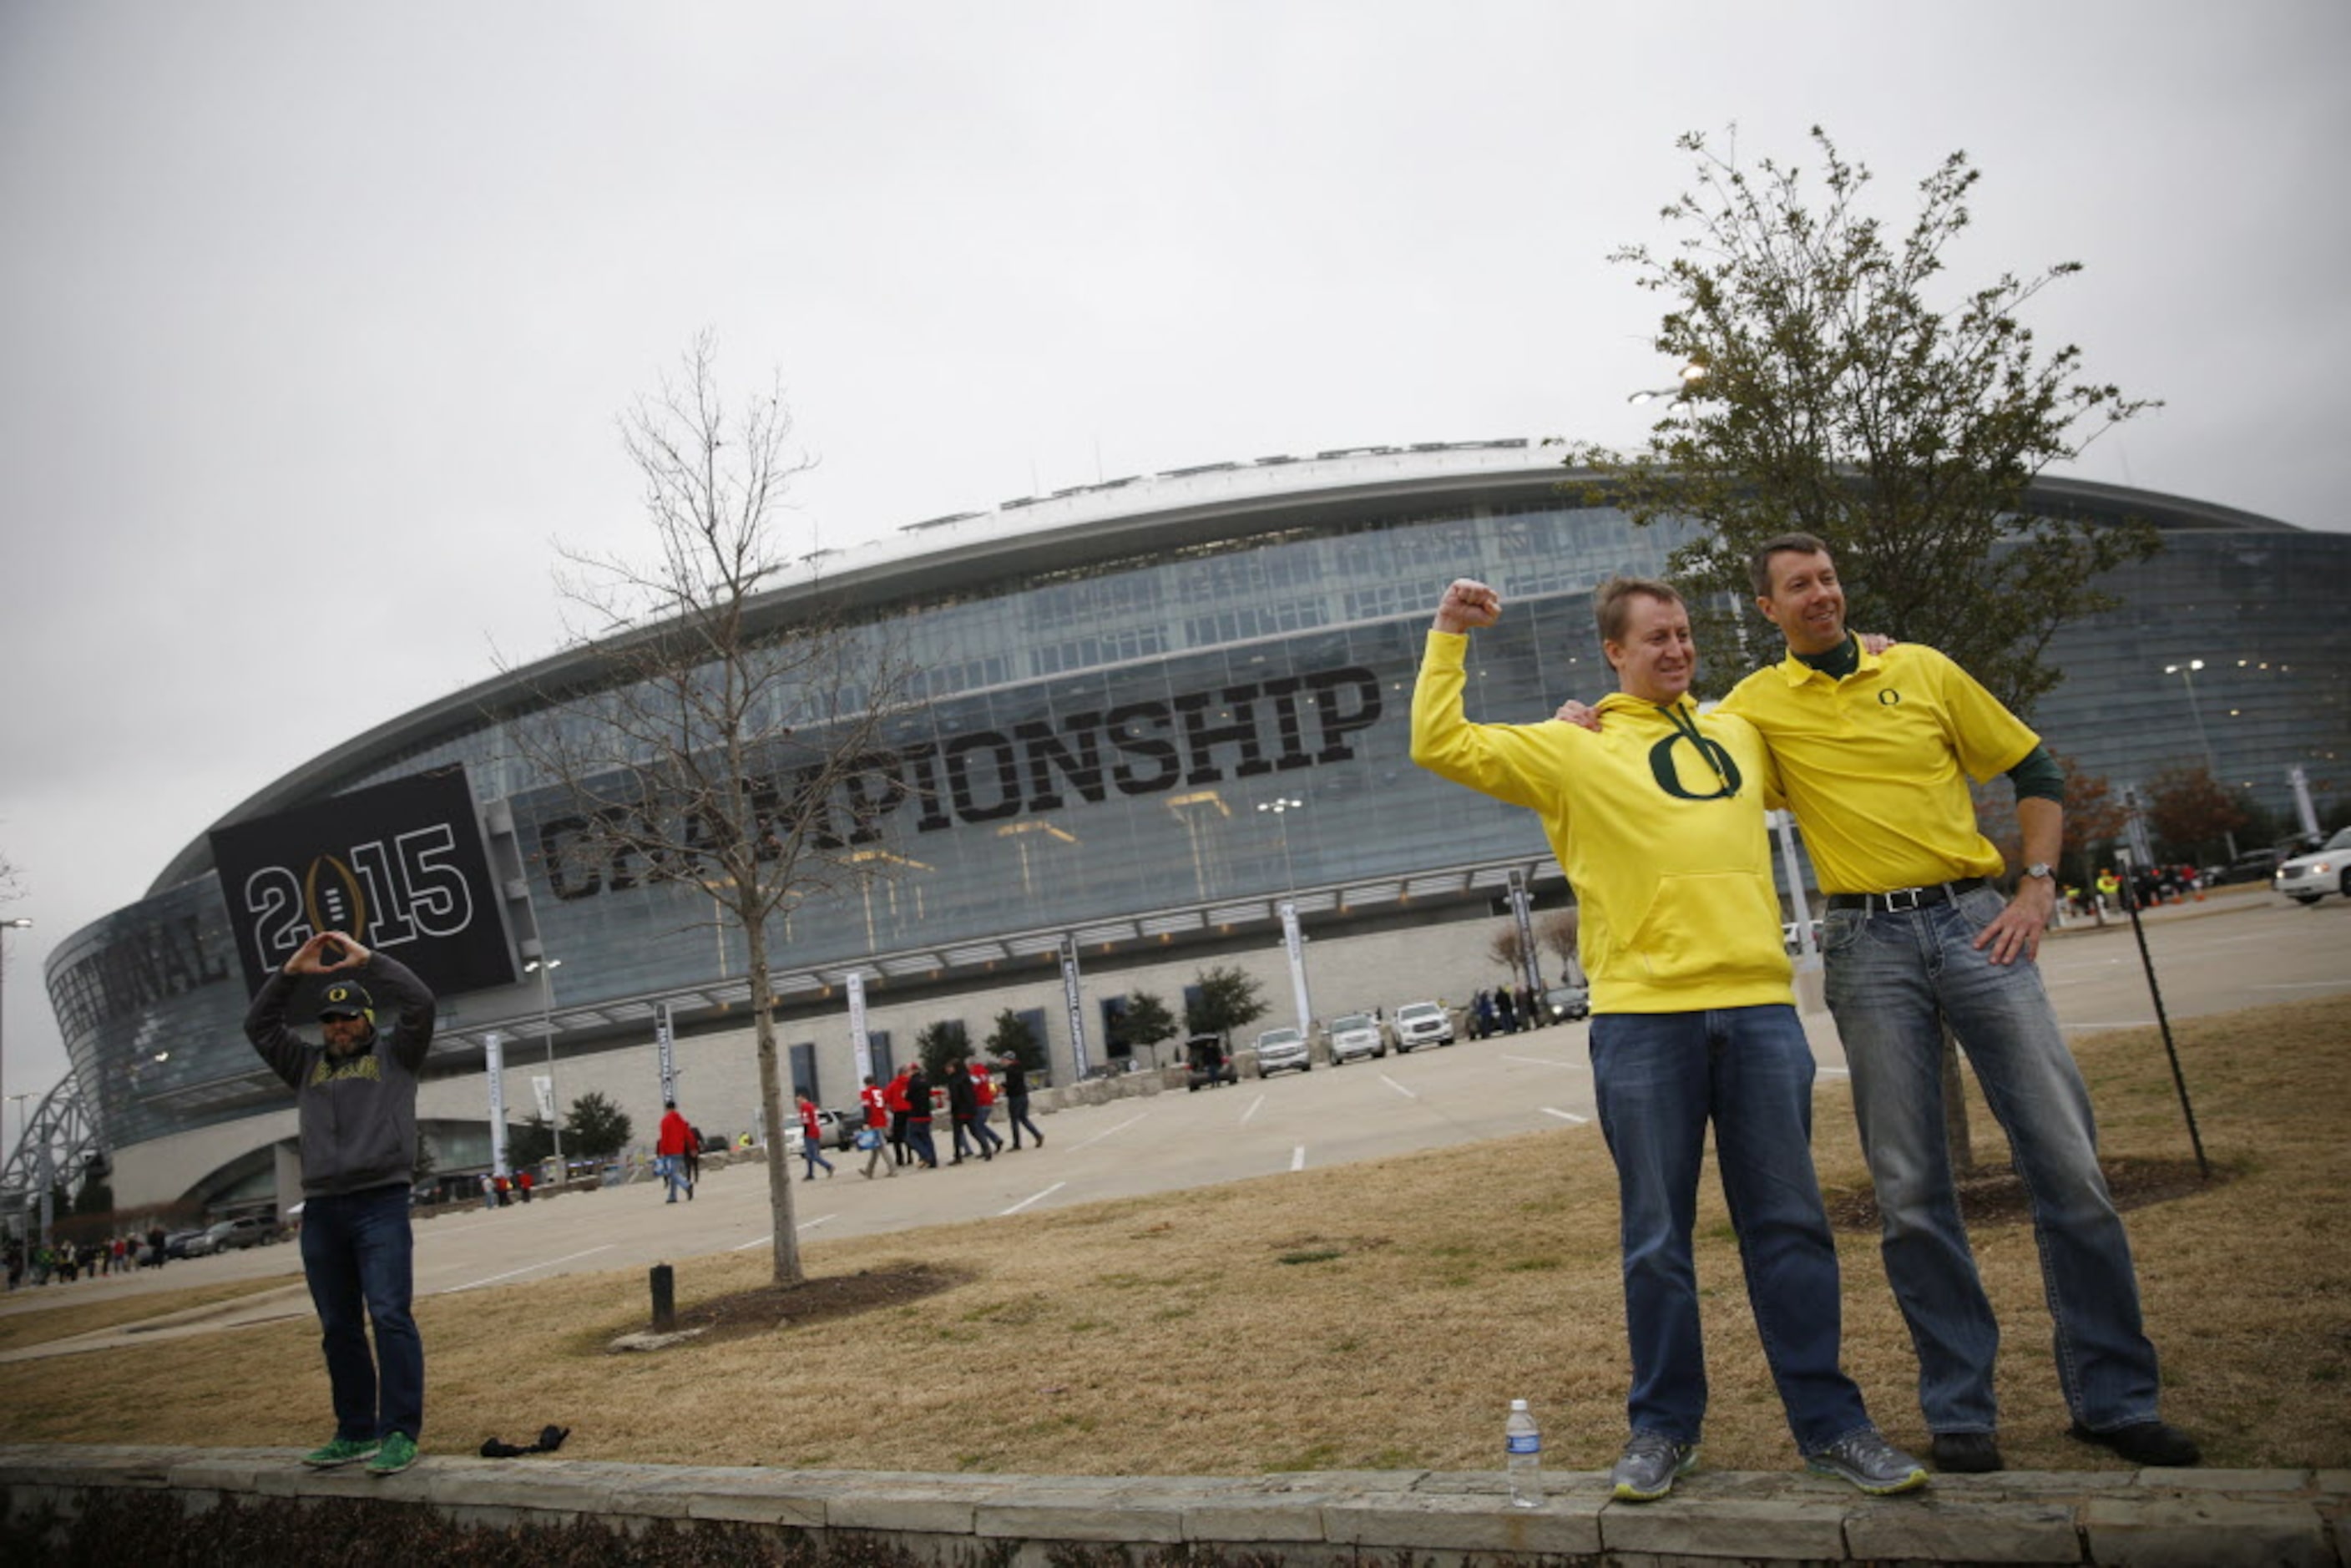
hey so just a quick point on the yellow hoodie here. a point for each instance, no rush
(1658, 821)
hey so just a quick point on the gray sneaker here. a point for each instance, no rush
(1649, 1466)
(1870, 1462)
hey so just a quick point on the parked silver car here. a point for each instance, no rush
(2310, 877)
(1282, 1049)
(1354, 1037)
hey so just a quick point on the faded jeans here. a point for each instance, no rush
(1660, 1078)
(1891, 977)
(357, 1253)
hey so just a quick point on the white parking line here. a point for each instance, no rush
(1566, 1115)
(1106, 1132)
(1398, 1087)
(1298, 1158)
(1034, 1197)
(2300, 985)
(1252, 1108)
(494, 1279)
(1542, 1060)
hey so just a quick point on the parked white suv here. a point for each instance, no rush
(1354, 1036)
(1280, 1050)
(1422, 1023)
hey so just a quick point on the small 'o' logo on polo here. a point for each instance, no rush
(1889, 698)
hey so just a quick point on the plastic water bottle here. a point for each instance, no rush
(1522, 1443)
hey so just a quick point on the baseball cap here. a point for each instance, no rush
(347, 1000)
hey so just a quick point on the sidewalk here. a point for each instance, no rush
(2207, 1519)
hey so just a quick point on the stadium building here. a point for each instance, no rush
(1157, 709)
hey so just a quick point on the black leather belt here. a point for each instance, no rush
(1901, 898)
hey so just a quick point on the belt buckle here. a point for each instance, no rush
(1900, 899)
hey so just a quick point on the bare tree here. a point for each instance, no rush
(1558, 932)
(1506, 949)
(726, 737)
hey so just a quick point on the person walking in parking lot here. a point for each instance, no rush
(670, 1150)
(962, 1105)
(918, 1117)
(1015, 1098)
(874, 1137)
(811, 1140)
(983, 1096)
(357, 1100)
(1659, 822)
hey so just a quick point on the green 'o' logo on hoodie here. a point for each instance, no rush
(1718, 760)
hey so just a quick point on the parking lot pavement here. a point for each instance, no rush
(2238, 953)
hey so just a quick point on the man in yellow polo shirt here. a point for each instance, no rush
(1658, 823)
(1874, 752)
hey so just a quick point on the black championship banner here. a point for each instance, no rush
(400, 865)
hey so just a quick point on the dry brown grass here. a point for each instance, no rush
(1373, 1316)
(20, 1329)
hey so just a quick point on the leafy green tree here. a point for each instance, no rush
(529, 1143)
(940, 1043)
(596, 1129)
(1839, 384)
(1013, 1037)
(1228, 999)
(1144, 1020)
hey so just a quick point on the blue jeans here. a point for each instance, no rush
(987, 1137)
(812, 1152)
(1660, 1078)
(1892, 978)
(356, 1251)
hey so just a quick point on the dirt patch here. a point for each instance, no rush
(770, 1309)
(1998, 1197)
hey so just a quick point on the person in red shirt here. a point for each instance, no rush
(812, 1139)
(983, 1089)
(901, 1108)
(875, 1138)
(669, 1151)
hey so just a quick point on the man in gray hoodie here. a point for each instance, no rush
(357, 1093)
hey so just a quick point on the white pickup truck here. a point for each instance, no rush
(1422, 1023)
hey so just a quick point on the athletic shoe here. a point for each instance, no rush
(2145, 1443)
(1870, 1462)
(1649, 1466)
(342, 1451)
(1965, 1453)
(399, 1452)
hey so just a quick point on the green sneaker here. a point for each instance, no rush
(399, 1452)
(342, 1451)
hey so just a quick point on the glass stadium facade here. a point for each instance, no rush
(1119, 682)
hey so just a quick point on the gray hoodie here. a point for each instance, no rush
(359, 1116)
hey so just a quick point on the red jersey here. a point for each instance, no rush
(983, 1085)
(894, 1096)
(876, 1100)
(676, 1137)
(809, 1126)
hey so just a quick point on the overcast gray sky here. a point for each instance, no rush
(314, 319)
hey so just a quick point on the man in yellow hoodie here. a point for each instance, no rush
(1657, 820)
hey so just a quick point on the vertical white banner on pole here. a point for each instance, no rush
(494, 1067)
(542, 1090)
(1522, 907)
(665, 1049)
(1075, 1001)
(858, 1042)
(1293, 942)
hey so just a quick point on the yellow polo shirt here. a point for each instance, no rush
(1658, 821)
(1876, 765)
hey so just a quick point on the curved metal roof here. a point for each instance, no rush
(1091, 523)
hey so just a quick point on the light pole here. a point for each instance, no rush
(18, 923)
(1292, 941)
(1692, 376)
(2186, 672)
(544, 968)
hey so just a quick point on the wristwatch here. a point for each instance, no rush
(2038, 869)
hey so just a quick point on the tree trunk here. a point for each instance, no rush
(771, 1107)
(1955, 1108)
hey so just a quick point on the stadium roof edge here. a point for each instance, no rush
(1199, 504)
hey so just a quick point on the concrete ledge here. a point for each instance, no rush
(2210, 1518)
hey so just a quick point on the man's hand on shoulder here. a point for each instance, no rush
(1580, 715)
(1467, 604)
(1874, 642)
